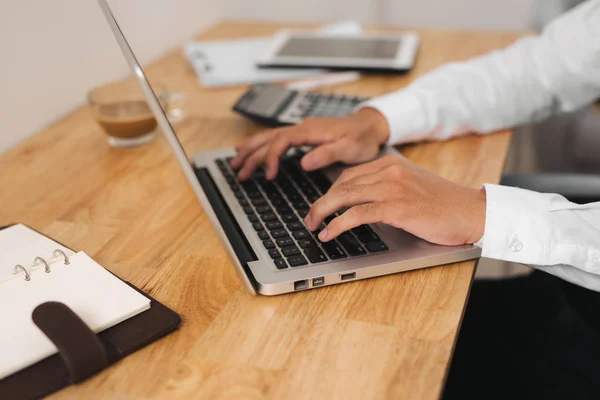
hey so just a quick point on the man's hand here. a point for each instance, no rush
(394, 191)
(352, 139)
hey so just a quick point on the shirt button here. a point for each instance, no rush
(514, 244)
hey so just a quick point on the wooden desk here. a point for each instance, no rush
(132, 210)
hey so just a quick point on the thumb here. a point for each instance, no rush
(324, 155)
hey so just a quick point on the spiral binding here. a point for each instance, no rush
(40, 261)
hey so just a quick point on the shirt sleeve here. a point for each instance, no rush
(545, 231)
(558, 71)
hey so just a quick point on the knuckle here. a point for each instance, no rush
(370, 209)
(345, 189)
(365, 211)
(395, 170)
(318, 206)
(345, 175)
(254, 160)
(279, 143)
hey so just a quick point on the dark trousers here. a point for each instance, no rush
(533, 337)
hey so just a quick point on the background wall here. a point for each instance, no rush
(476, 14)
(54, 51)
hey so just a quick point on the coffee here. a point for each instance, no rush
(126, 119)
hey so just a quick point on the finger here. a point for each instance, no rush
(367, 179)
(249, 146)
(252, 162)
(364, 169)
(294, 137)
(369, 213)
(327, 154)
(342, 196)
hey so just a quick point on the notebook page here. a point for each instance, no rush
(20, 245)
(99, 298)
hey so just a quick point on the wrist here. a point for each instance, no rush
(477, 208)
(373, 123)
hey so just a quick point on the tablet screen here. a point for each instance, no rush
(374, 48)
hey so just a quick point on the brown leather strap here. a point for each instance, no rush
(81, 350)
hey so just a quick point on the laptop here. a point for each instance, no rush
(260, 222)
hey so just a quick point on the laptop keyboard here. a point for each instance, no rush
(277, 209)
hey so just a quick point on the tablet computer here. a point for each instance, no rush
(381, 52)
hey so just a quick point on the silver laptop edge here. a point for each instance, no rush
(406, 252)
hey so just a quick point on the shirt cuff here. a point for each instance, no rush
(516, 225)
(404, 114)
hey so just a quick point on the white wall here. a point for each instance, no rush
(52, 52)
(476, 14)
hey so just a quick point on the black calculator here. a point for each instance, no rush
(274, 105)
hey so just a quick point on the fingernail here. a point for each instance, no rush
(323, 234)
(307, 221)
(309, 160)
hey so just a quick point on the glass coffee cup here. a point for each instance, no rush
(123, 113)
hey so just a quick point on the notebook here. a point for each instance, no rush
(35, 269)
(233, 62)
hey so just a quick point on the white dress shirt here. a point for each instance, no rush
(558, 71)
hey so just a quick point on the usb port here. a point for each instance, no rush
(320, 281)
(300, 285)
(346, 277)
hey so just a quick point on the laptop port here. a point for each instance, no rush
(349, 276)
(301, 285)
(320, 281)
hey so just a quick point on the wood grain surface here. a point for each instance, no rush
(132, 210)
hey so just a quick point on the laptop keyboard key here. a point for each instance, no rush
(303, 212)
(314, 254)
(287, 218)
(274, 253)
(376, 246)
(299, 205)
(284, 209)
(304, 243)
(334, 250)
(268, 217)
(252, 217)
(280, 263)
(294, 226)
(248, 210)
(263, 235)
(263, 209)
(279, 233)
(290, 251)
(243, 202)
(301, 234)
(365, 234)
(271, 225)
(278, 202)
(258, 226)
(297, 261)
(268, 244)
(259, 201)
(285, 241)
(294, 197)
(254, 194)
(351, 245)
